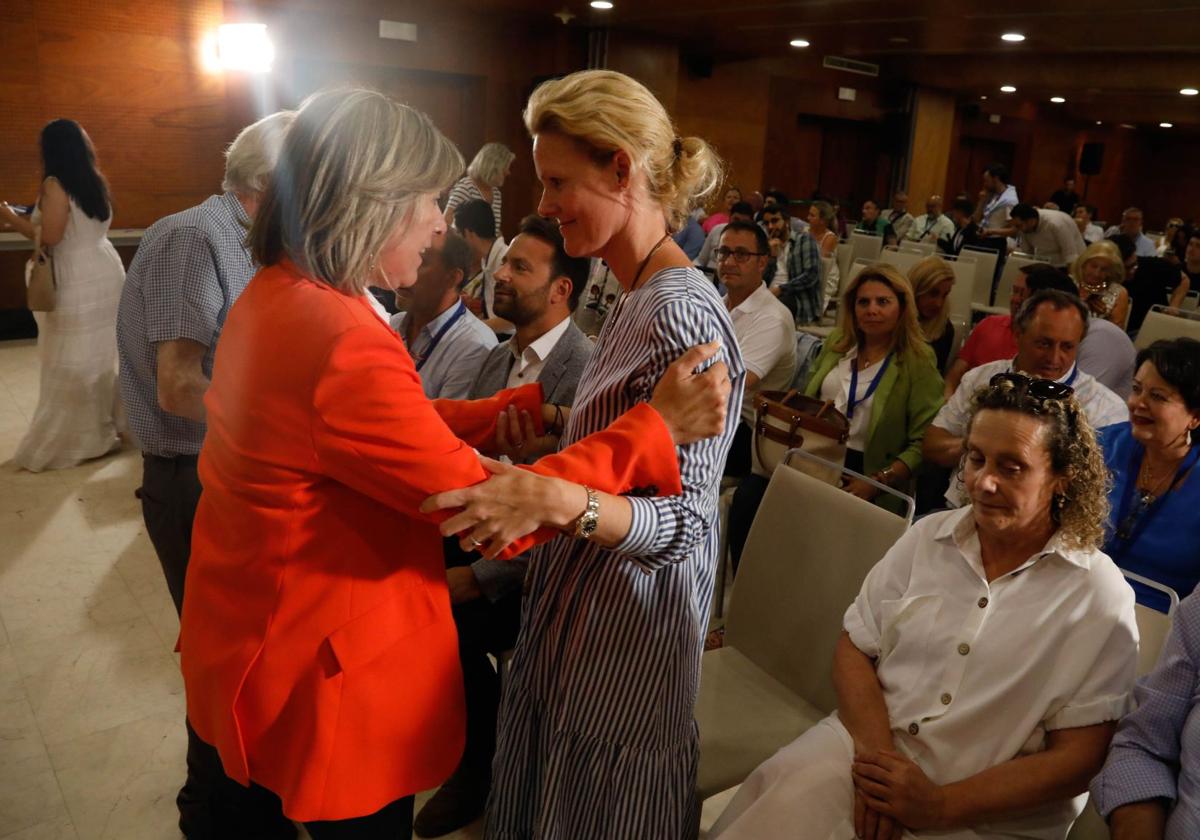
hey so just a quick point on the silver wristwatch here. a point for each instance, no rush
(586, 524)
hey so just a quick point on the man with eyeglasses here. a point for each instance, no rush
(1050, 326)
(764, 328)
(797, 278)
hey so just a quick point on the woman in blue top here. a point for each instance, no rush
(1155, 496)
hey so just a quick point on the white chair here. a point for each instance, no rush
(1153, 627)
(964, 285)
(1163, 322)
(807, 553)
(866, 246)
(845, 256)
(1015, 262)
(925, 249)
(1191, 301)
(985, 271)
(962, 328)
(902, 260)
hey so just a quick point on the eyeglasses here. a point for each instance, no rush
(1038, 391)
(739, 256)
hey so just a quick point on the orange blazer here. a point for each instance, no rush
(318, 647)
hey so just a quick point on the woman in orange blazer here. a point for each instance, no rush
(318, 647)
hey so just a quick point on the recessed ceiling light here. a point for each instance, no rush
(983, 97)
(1012, 37)
(898, 39)
(1189, 91)
(601, 4)
(1166, 125)
(799, 43)
(1128, 125)
(1057, 100)
(1008, 89)
(1099, 122)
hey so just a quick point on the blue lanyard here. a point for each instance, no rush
(1135, 466)
(1070, 379)
(852, 402)
(433, 343)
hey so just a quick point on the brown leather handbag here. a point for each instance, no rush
(786, 420)
(41, 293)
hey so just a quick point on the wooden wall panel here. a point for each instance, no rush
(929, 158)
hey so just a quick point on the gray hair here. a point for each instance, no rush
(490, 164)
(352, 169)
(251, 157)
(1058, 301)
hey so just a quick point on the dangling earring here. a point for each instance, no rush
(1057, 502)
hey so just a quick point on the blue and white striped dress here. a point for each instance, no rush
(596, 736)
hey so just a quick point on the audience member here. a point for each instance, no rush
(1048, 234)
(1149, 281)
(797, 278)
(765, 329)
(485, 176)
(733, 196)
(776, 198)
(993, 337)
(707, 258)
(1150, 784)
(1099, 272)
(932, 225)
(1155, 496)
(966, 231)
(996, 203)
(476, 223)
(898, 216)
(1091, 232)
(74, 420)
(318, 647)
(608, 656)
(932, 279)
(1189, 263)
(984, 664)
(874, 223)
(189, 269)
(820, 223)
(446, 343)
(1167, 246)
(1065, 198)
(839, 214)
(1049, 326)
(690, 237)
(1131, 226)
(537, 287)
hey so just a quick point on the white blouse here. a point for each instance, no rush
(976, 673)
(836, 387)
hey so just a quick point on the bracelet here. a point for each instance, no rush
(884, 476)
(556, 428)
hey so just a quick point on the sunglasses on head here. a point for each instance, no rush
(1037, 391)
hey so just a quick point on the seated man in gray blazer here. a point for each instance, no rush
(537, 288)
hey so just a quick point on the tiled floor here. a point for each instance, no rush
(91, 701)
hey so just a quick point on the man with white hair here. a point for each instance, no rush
(189, 269)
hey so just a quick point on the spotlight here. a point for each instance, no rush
(1008, 89)
(601, 4)
(1012, 37)
(798, 43)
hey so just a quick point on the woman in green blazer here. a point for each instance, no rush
(878, 370)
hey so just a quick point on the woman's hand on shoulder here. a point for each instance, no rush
(693, 405)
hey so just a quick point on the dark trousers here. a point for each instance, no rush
(483, 628)
(739, 460)
(391, 822)
(211, 805)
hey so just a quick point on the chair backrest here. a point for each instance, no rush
(1191, 301)
(903, 260)
(866, 246)
(964, 285)
(1014, 263)
(808, 551)
(985, 272)
(1153, 625)
(847, 276)
(961, 329)
(1163, 323)
(925, 249)
(845, 256)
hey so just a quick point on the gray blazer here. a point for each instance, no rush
(559, 378)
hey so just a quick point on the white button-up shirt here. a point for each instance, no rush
(527, 365)
(929, 229)
(1057, 238)
(975, 673)
(766, 333)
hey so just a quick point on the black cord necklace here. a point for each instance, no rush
(619, 306)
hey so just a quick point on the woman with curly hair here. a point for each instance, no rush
(986, 660)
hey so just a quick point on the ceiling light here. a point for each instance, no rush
(1008, 89)
(898, 39)
(983, 97)
(1057, 100)
(1189, 91)
(1128, 125)
(799, 43)
(1099, 122)
(1166, 125)
(601, 4)
(243, 47)
(1012, 37)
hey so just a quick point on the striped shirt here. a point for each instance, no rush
(189, 269)
(596, 735)
(465, 190)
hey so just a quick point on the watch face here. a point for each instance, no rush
(588, 526)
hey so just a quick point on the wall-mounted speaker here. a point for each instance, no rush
(1091, 159)
(698, 66)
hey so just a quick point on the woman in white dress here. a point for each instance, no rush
(77, 346)
(984, 663)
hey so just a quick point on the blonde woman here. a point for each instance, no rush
(1100, 275)
(485, 176)
(318, 648)
(932, 280)
(986, 660)
(596, 737)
